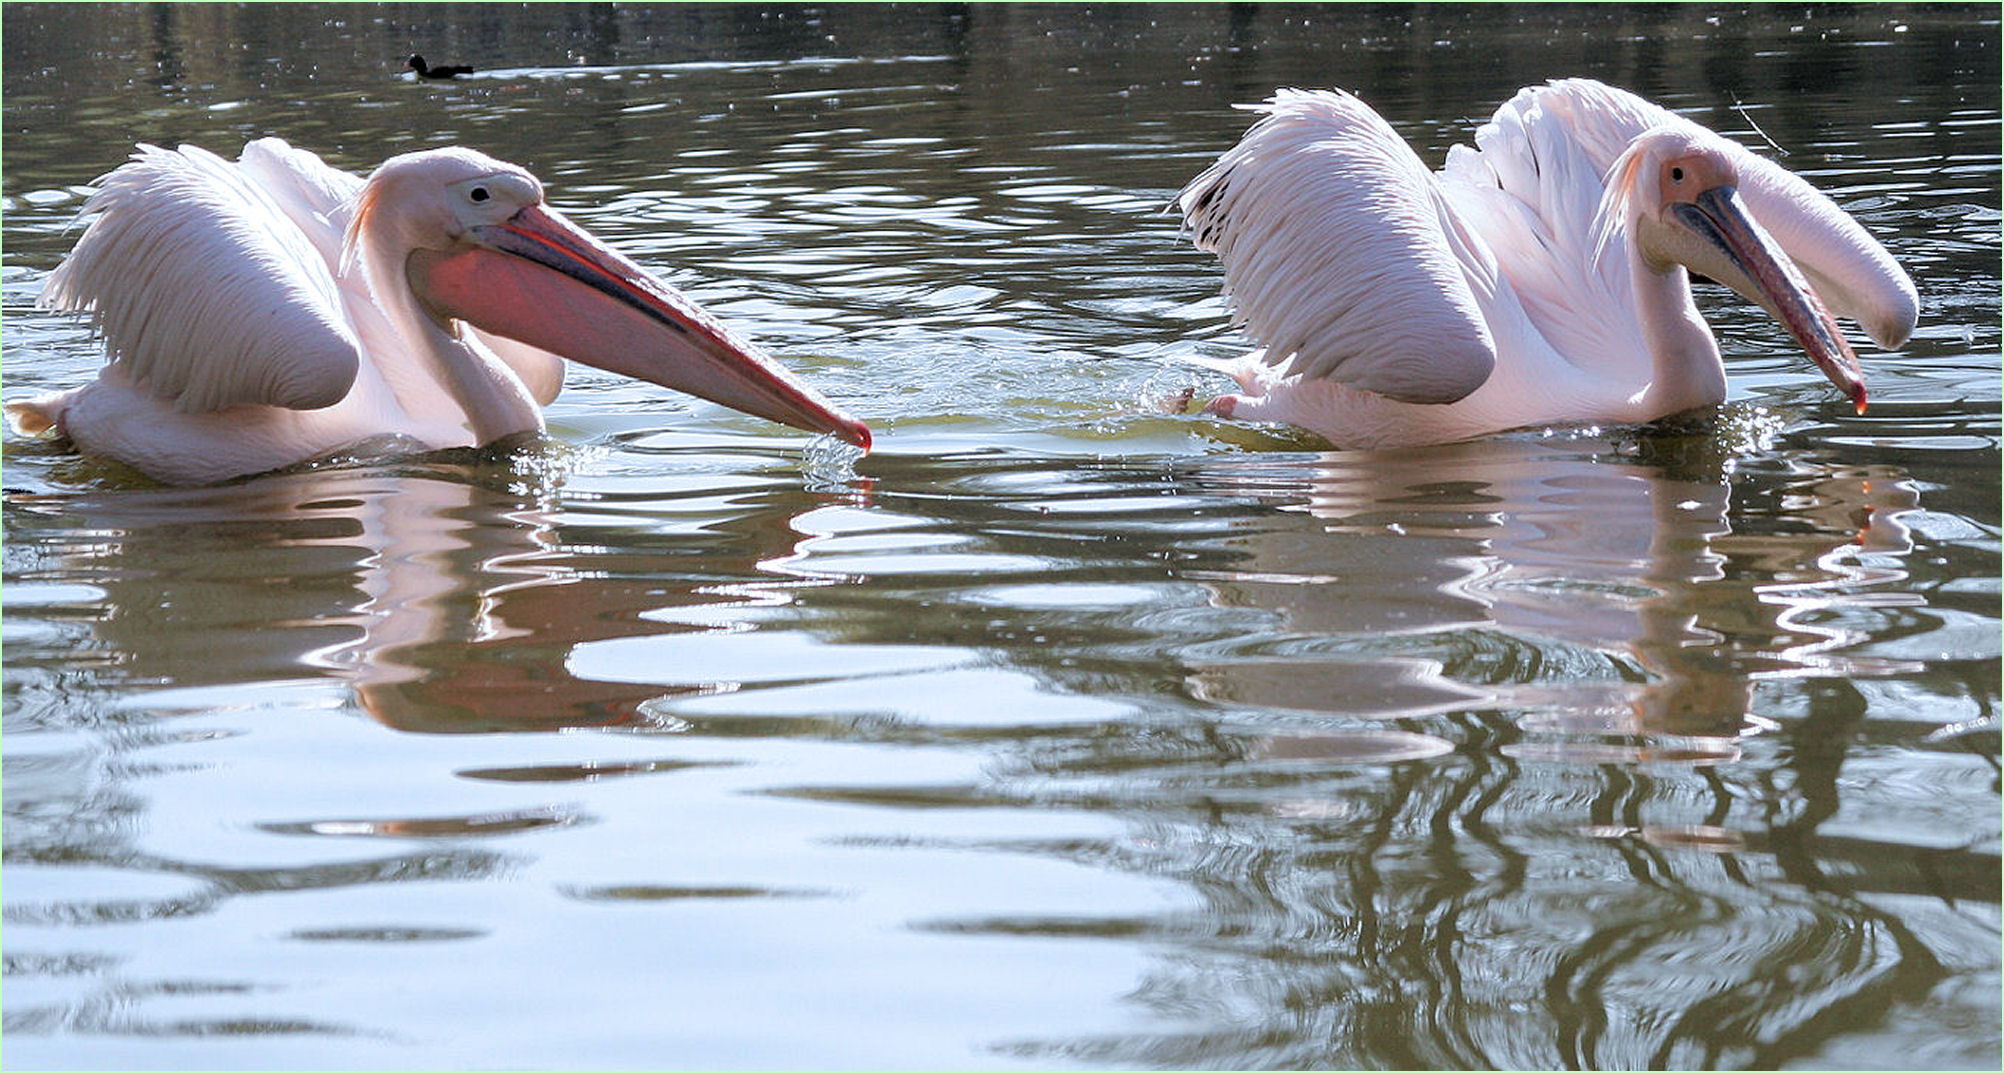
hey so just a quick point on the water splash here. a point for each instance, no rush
(830, 464)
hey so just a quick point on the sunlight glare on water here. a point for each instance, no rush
(1069, 727)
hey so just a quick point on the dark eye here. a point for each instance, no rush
(1676, 176)
(478, 193)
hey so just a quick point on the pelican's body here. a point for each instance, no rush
(1539, 278)
(272, 310)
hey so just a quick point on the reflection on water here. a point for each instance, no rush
(1589, 612)
(447, 604)
(1061, 731)
(1627, 573)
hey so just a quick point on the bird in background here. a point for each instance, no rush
(1541, 277)
(272, 310)
(443, 70)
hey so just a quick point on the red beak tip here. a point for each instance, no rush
(1858, 398)
(852, 432)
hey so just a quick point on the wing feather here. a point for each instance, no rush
(319, 200)
(1534, 187)
(1340, 256)
(206, 292)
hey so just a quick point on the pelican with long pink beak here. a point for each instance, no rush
(274, 310)
(1541, 278)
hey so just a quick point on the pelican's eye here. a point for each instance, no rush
(492, 196)
(1676, 176)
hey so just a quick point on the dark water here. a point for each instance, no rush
(1058, 731)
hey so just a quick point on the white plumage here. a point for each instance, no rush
(1337, 300)
(205, 290)
(1538, 278)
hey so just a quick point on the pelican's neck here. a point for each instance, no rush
(492, 402)
(494, 399)
(1685, 369)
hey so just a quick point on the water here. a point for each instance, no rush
(1061, 730)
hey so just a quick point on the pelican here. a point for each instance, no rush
(273, 310)
(1540, 278)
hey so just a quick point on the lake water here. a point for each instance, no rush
(1061, 731)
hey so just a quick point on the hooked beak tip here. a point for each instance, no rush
(858, 433)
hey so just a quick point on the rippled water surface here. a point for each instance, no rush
(1062, 730)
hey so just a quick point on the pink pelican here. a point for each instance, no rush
(273, 310)
(1540, 278)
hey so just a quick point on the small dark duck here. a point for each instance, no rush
(443, 70)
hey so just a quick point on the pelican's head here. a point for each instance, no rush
(431, 199)
(1682, 190)
(471, 238)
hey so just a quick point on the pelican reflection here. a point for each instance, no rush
(447, 600)
(1558, 580)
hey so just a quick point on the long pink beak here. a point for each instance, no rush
(1771, 279)
(542, 280)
